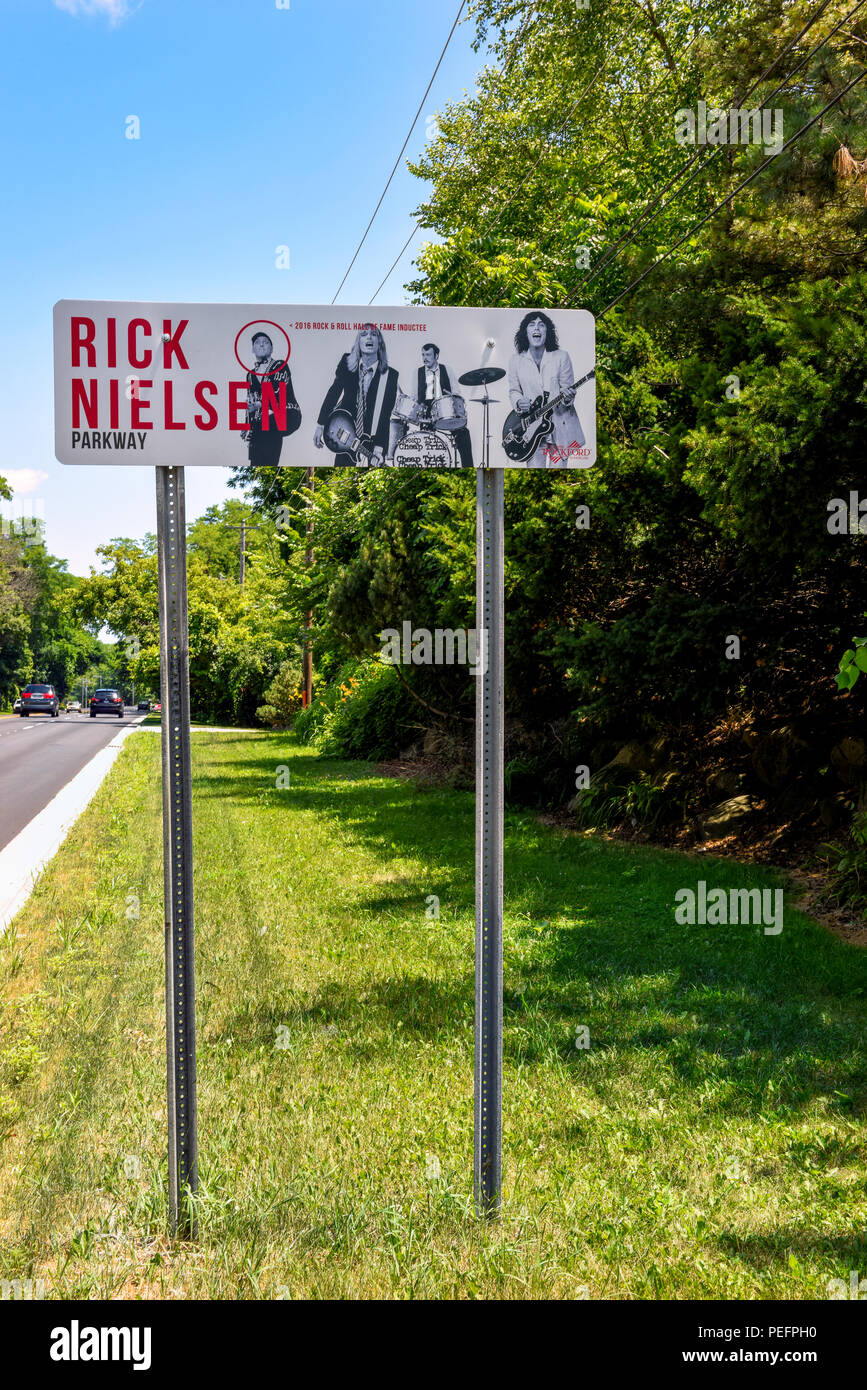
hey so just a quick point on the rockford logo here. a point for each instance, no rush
(75, 1343)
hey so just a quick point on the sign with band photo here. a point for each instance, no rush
(285, 385)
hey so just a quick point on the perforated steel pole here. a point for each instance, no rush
(488, 1174)
(177, 845)
(307, 650)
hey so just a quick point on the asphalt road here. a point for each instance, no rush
(39, 755)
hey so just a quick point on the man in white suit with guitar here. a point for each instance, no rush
(540, 366)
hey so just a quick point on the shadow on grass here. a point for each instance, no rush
(422, 1006)
(764, 1250)
(769, 1022)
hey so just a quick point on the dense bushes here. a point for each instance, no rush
(366, 712)
(283, 697)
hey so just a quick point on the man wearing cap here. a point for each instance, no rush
(265, 444)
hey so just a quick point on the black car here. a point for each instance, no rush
(144, 704)
(106, 702)
(39, 699)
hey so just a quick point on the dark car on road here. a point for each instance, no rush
(144, 705)
(39, 699)
(106, 702)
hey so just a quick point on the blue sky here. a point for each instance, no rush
(259, 127)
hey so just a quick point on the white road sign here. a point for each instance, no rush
(288, 385)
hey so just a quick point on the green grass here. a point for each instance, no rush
(710, 1143)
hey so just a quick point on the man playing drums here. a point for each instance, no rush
(436, 405)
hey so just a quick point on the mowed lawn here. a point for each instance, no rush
(709, 1143)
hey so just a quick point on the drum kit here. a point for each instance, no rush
(449, 412)
(483, 376)
(406, 409)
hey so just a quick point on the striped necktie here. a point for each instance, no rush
(359, 404)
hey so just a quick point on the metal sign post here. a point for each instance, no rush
(488, 1165)
(177, 845)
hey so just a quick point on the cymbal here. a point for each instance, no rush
(484, 400)
(480, 376)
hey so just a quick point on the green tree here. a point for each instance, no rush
(215, 537)
(39, 636)
(238, 639)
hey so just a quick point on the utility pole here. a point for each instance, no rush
(243, 527)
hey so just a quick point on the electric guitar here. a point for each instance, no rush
(523, 433)
(341, 438)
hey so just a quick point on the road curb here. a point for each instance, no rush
(24, 858)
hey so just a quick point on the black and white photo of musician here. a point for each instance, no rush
(366, 388)
(264, 445)
(434, 380)
(539, 365)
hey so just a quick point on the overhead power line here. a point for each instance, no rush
(460, 150)
(547, 146)
(416, 229)
(402, 149)
(382, 197)
(646, 216)
(729, 197)
(649, 213)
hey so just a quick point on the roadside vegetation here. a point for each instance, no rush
(708, 1143)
